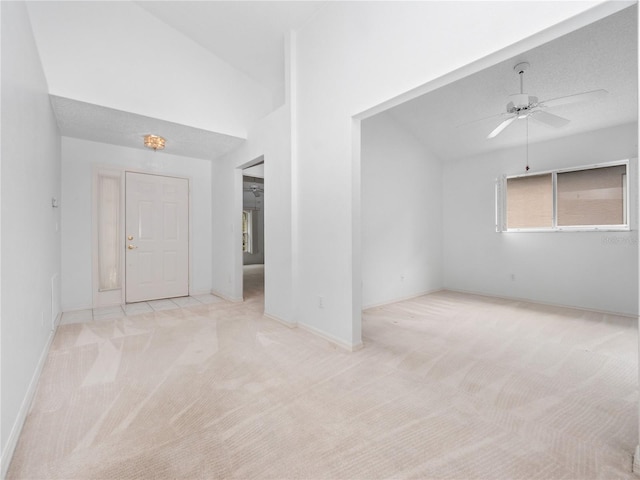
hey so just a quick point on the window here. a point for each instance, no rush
(247, 221)
(108, 226)
(587, 198)
(592, 197)
(530, 202)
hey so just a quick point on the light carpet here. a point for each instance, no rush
(448, 386)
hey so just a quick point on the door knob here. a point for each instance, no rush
(131, 246)
(130, 237)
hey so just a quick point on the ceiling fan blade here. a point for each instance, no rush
(478, 120)
(501, 127)
(548, 118)
(578, 97)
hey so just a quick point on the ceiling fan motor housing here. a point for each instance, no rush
(521, 101)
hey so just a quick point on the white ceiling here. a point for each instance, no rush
(603, 55)
(106, 125)
(248, 35)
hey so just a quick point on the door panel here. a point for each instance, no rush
(157, 229)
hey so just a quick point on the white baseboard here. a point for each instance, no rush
(331, 339)
(401, 299)
(56, 323)
(12, 441)
(193, 293)
(75, 308)
(280, 320)
(226, 297)
(539, 302)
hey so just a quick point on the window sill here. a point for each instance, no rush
(568, 229)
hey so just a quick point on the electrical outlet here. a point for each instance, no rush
(320, 301)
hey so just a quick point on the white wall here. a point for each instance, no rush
(30, 226)
(271, 139)
(78, 159)
(270, 142)
(118, 55)
(593, 270)
(351, 57)
(256, 171)
(226, 231)
(401, 214)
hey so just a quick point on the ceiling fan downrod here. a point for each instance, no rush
(521, 68)
(521, 101)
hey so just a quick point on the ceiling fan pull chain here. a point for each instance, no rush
(527, 145)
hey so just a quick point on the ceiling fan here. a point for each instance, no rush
(255, 189)
(522, 105)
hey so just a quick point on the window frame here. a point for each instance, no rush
(501, 202)
(247, 236)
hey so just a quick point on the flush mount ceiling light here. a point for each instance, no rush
(154, 141)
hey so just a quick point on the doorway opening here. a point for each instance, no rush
(253, 251)
(398, 251)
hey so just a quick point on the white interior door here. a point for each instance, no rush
(157, 237)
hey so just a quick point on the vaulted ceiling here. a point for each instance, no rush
(199, 73)
(249, 35)
(602, 55)
(249, 38)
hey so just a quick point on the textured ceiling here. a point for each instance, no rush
(248, 35)
(603, 55)
(106, 125)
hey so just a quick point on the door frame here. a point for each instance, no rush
(238, 261)
(117, 297)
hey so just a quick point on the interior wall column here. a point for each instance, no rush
(636, 457)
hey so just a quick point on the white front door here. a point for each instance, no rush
(157, 237)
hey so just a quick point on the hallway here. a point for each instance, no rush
(253, 283)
